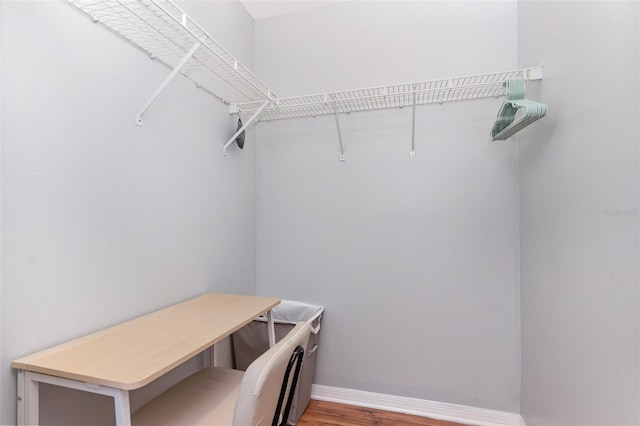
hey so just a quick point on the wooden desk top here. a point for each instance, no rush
(132, 354)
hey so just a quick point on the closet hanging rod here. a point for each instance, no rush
(392, 96)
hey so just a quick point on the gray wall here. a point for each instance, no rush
(1, 133)
(101, 220)
(416, 259)
(579, 216)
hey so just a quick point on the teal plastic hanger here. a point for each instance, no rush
(516, 113)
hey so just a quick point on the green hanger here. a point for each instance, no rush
(506, 124)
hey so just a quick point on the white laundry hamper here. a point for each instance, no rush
(252, 340)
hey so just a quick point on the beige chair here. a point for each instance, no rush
(225, 397)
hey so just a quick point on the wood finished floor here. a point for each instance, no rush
(321, 413)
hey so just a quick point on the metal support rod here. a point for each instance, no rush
(413, 128)
(342, 157)
(244, 126)
(166, 81)
(335, 115)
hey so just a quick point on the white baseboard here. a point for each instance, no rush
(419, 407)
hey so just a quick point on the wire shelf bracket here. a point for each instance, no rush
(335, 115)
(413, 126)
(244, 126)
(342, 156)
(164, 84)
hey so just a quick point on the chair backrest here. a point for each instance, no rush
(262, 382)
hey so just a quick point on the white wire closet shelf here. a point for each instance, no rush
(393, 96)
(164, 31)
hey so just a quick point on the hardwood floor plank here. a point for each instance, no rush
(321, 413)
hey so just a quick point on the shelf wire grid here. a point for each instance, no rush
(164, 32)
(394, 96)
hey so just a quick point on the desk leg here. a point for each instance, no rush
(123, 409)
(20, 399)
(209, 357)
(28, 399)
(272, 329)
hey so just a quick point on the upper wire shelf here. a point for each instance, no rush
(166, 33)
(394, 96)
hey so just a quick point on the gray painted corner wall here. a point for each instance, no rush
(1, 133)
(579, 216)
(414, 258)
(102, 220)
(444, 276)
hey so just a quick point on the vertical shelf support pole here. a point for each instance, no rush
(413, 126)
(335, 115)
(244, 126)
(166, 81)
(342, 157)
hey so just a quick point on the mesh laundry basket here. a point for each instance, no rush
(252, 341)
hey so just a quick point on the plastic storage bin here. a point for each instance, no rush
(252, 340)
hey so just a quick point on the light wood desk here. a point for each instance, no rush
(132, 354)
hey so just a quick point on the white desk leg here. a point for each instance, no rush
(28, 399)
(210, 356)
(272, 329)
(123, 409)
(20, 399)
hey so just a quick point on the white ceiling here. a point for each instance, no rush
(260, 9)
